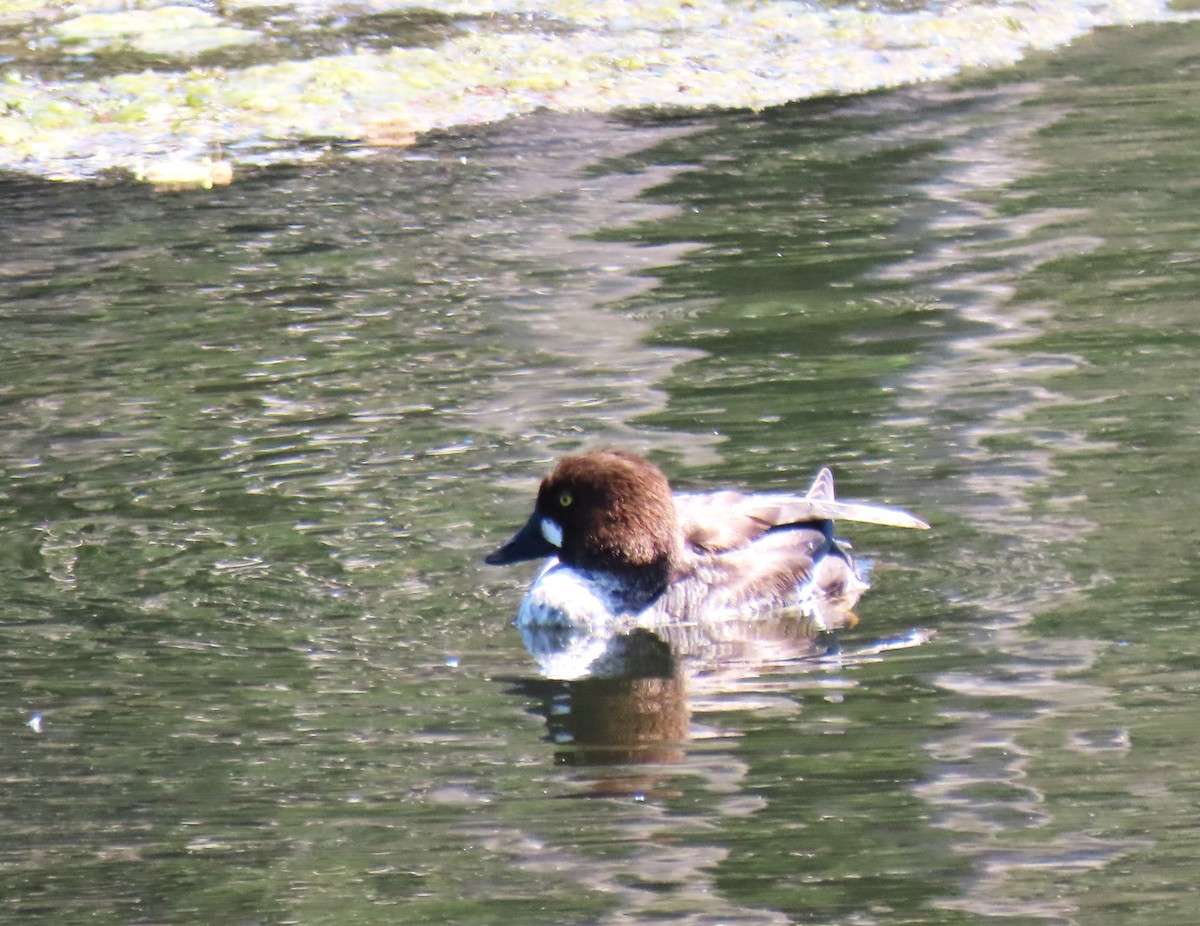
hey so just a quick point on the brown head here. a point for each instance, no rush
(603, 510)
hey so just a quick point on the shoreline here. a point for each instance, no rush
(173, 122)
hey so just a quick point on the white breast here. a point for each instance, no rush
(568, 621)
(562, 597)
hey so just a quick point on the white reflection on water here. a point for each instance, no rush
(586, 370)
(665, 877)
(981, 400)
(983, 391)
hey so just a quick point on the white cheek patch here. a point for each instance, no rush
(552, 532)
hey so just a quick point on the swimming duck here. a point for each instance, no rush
(626, 549)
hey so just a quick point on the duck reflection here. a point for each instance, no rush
(625, 700)
(637, 713)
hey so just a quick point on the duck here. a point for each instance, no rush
(625, 550)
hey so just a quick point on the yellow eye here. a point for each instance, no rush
(565, 499)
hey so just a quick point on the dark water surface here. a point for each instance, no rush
(257, 441)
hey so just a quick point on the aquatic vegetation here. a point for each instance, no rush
(164, 30)
(507, 57)
(172, 175)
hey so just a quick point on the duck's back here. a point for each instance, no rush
(720, 522)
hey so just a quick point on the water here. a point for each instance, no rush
(258, 440)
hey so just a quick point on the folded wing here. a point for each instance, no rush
(723, 521)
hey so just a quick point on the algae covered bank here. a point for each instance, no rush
(174, 91)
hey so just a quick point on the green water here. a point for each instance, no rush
(257, 441)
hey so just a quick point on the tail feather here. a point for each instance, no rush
(822, 485)
(826, 505)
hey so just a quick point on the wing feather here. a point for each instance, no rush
(724, 521)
